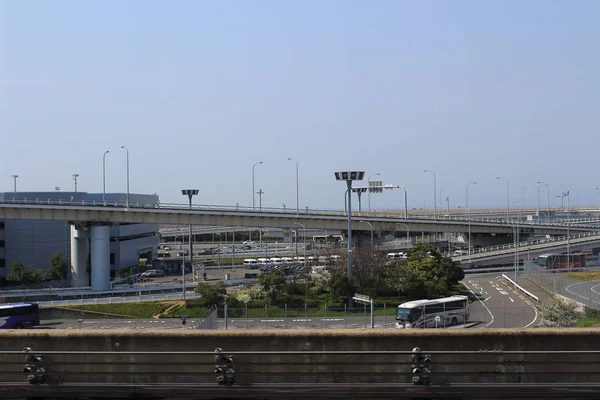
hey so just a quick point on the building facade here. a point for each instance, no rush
(33, 242)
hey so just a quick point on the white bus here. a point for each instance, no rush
(421, 313)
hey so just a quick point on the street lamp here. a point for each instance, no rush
(182, 260)
(104, 175)
(405, 197)
(507, 197)
(407, 232)
(359, 191)
(540, 184)
(303, 238)
(369, 185)
(75, 176)
(190, 193)
(127, 152)
(349, 176)
(371, 226)
(469, 213)
(297, 195)
(434, 193)
(15, 181)
(253, 198)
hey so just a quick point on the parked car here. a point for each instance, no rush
(153, 273)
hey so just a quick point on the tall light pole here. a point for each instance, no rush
(540, 184)
(434, 193)
(371, 226)
(567, 195)
(369, 185)
(297, 184)
(349, 176)
(75, 176)
(469, 213)
(523, 197)
(507, 197)
(253, 198)
(359, 191)
(260, 193)
(405, 197)
(104, 175)
(127, 160)
(407, 231)
(303, 238)
(182, 261)
(15, 182)
(190, 193)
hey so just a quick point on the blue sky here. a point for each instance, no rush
(199, 91)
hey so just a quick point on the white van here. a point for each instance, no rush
(276, 260)
(287, 260)
(458, 253)
(251, 263)
(263, 261)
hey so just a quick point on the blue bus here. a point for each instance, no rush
(19, 316)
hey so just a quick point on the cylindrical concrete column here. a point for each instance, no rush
(80, 249)
(100, 243)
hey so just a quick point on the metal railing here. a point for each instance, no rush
(209, 321)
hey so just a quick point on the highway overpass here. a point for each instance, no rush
(177, 214)
(530, 249)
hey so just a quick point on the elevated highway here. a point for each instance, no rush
(177, 214)
(531, 249)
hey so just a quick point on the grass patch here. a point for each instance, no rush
(590, 322)
(137, 310)
(583, 276)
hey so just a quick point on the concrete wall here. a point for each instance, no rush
(485, 364)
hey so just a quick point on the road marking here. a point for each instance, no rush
(487, 298)
(482, 303)
(579, 295)
(534, 318)
(510, 298)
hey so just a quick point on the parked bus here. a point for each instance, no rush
(421, 313)
(559, 261)
(19, 316)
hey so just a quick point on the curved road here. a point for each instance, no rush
(498, 305)
(587, 292)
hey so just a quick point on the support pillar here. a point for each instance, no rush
(80, 250)
(100, 246)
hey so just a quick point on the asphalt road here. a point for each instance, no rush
(586, 292)
(498, 306)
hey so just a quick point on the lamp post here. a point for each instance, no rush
(297, 184)
(371, 226)
(434, 193)
(369, 185)
(523, 197)
(260, 193)
(540, 184)
(190, 193)
(562, 202)
(75, 176)
(469, 214)
(405, 197)
(15, 182)
(567, 195)
(359, 191)
(303, 239)
(253, 198)
(183, 261)
(407, 232)
(507, 196)
(349, 176)
(127, 161)
(104, 176)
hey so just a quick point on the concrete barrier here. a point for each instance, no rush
(467, 356)
(528, 293)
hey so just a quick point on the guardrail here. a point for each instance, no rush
(527, 292)
(299, 374)
(305, 211)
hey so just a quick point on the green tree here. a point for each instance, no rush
(18, 273)
(59, 269)
(425, 273)
(340, 286)
(25, 276)
(273, 282)
(211, 294)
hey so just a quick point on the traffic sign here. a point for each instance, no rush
(361, 298)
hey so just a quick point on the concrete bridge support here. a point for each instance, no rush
(90, 242)
(80, 250)
(100, 255)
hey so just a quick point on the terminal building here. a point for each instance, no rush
(33, 242)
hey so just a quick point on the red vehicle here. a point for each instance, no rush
(559, 261)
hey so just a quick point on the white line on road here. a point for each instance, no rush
(482, 303)
(487, 298)
(510, 298)
(534, 318)
(579, 295)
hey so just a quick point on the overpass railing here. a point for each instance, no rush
(530, 245)
(224, 373)
(305, 211)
